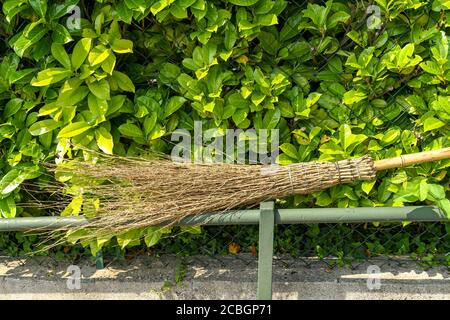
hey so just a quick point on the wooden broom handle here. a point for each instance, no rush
(413, 158)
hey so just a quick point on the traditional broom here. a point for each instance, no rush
(133, 193)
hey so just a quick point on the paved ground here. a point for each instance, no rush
(231, 277)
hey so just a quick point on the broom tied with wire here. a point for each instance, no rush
(137, 193)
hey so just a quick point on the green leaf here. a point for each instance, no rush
(243, 3)
(115, 104)
(44, 126)
(150, 122)
(21, 43)
(39, 6)
(169, 72)
(75, 236)
(100, 89)
(435, 192)
(284, 159)
(390, 136)
(122, 46)
(173, 105)
(7, 131)
(260, 78)
(178, 11)
(239, 116)
(49, 76)
(267, 20)
(408, 140)
(231, 36)
(399, 178)
(98, 107)
(97, 55)
(104, 140)
(269, 43)
(129, 238)
(271, 118)
(109, 64)
(336, 18)
(11, 181)
(123, 81)
(431, 67)
(439, 5)
(80, 52)
(318, 14)
(348, 139)
(432, 123)
(13, 7)
(323, 199)
(131, 130)
(160, 5)
(157, 132)
(21, 75)
(383, 191)
(192, 229)
(289, 150)
(367, 186)
(125, 14)
(61, 35)
(353, 96)
(444, 204)
(209, 107)
(152, 236)
(74, 207)
(8, 207)
(12, 106)
(74, 129)
(30, 171)
(60, 54)
(71, 93)
(423, 190)
(312, 99)
(136, 4)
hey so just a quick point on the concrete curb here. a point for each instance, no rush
(231, 277)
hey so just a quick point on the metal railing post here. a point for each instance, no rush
(265, 250)
(99, 260)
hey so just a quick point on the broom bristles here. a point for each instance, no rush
(136, 193)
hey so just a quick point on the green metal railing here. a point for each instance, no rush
(266, 216)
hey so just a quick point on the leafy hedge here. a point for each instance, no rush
(333, 80)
